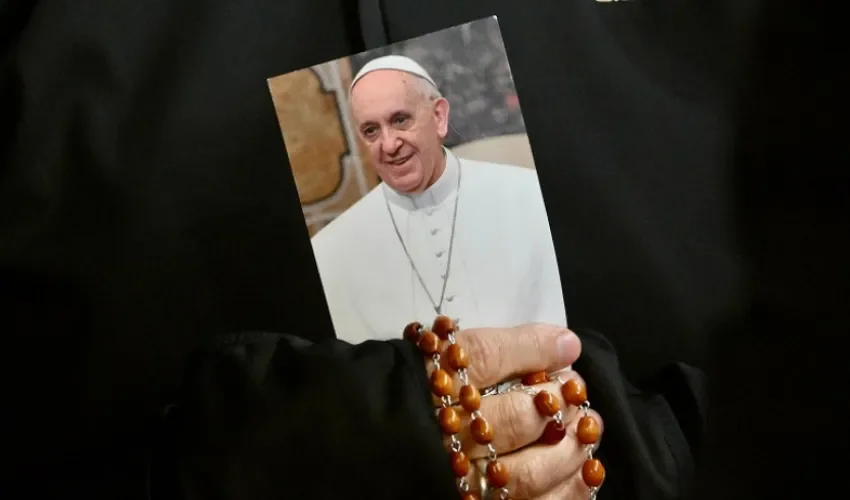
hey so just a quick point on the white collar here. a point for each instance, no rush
(435, 194)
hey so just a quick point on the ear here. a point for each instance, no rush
(441, 117)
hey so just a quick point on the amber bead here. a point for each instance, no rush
(449, 421)
(553, 433)
(441, 383)
(587, 431)
(470, 495)
(470, 398)
(574, 392)
(535, 378)
(456, 357)
(547, 404)
(497, 474)
(593, 472)
(443, 326)
(460, 463)
(429, 343)
(411, 331)
(481, 430)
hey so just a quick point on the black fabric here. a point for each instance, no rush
(146, 204)
(778, 426)
(272, 416)
(628, 106)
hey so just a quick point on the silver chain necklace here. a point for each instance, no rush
(437, 306)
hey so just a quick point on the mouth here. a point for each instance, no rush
(400, 161)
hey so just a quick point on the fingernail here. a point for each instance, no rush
(568, 346)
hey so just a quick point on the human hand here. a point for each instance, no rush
(537, 470)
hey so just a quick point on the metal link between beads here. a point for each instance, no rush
(491, 452)
(456, 445)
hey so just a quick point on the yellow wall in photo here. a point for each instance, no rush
(330, 168)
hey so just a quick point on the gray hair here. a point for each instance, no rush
(428, 91)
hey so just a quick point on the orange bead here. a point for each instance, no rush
(587, 431)
(574, 392)
(547, 404)
(593, 472)
(553, 433)
(449, 421)
(411, 331)
(481, 430)
(429, 343)
(470, 495)
(497, 474)
(460, 463)
(456, 357)
(535, 378)
(443, 326)
(470, 398)
(441, 383)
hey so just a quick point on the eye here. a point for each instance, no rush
(399, 120)
(369, 131)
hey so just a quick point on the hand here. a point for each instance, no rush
(500, 354)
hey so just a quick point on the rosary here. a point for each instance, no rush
(439, 344)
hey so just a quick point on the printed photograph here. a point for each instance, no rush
(418, 186)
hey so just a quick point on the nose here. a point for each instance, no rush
(390, 142)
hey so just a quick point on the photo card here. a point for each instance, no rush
(418, 186)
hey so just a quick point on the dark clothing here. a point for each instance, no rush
(147, 209)
(270, 415)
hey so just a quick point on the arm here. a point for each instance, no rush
(273, 416)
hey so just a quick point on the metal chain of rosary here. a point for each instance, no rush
(587, 430)
(430, 343)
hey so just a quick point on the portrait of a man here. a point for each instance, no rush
(438, 233)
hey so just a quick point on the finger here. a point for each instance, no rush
(543, 471)
(573, 489)
(499, 354)
(514, 418)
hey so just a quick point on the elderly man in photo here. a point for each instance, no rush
(439, 234)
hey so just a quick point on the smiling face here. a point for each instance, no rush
(402, 128)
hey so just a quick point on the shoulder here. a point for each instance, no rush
(350, 226)
(513, 181)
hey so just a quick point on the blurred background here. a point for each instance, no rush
(332, 171)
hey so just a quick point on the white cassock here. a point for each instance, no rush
(503, 268)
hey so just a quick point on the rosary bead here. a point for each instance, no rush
(553, 433)
(547, 404)
(481, 430)
(535, 378)
(574, 392)
(497, 474)
(593, 473)
(470, 495)
(411, 331)
(443, 326)
(441, 383)
(457, 357)
(429, 343)
(470, 398)
(587, 431)
(460, 463)
(449, 421)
